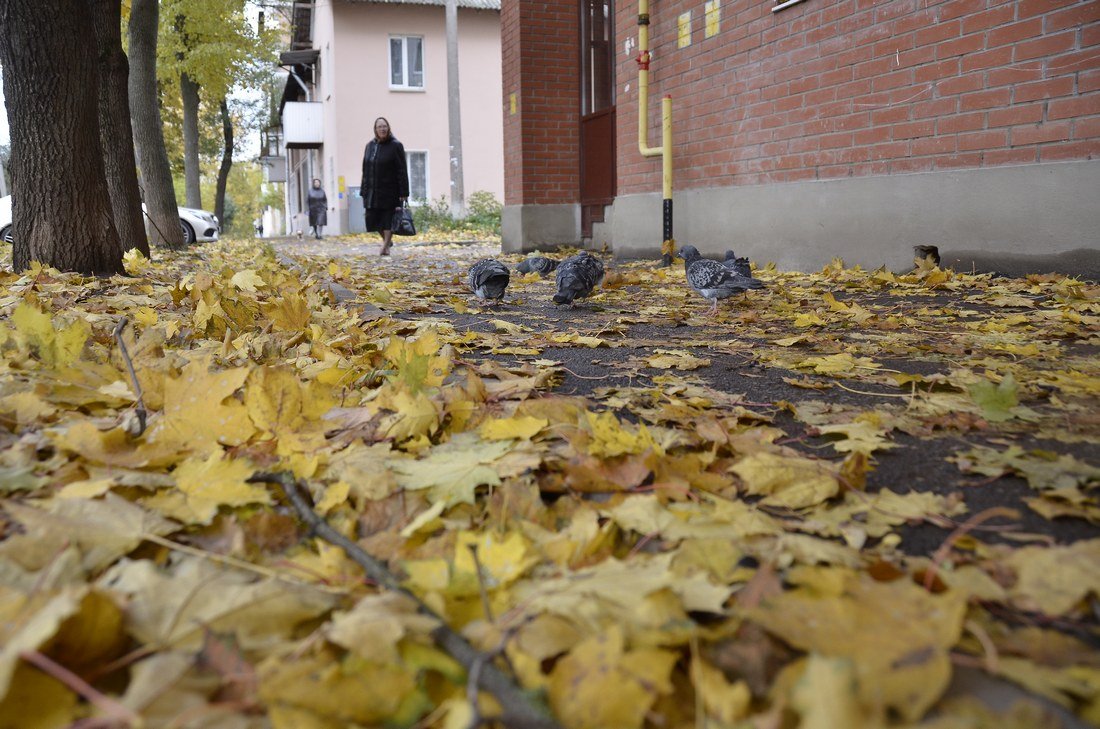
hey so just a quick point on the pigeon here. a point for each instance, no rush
(541, 265)
(739, 266)
(713, 280)
(576, 277)
(488, 279)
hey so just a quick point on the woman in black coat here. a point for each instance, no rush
(385, 184)
(318, 208)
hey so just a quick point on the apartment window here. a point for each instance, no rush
(418, 174)
(406, 62)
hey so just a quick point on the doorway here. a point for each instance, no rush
(597, 132)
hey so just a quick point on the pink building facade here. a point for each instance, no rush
(355, 60)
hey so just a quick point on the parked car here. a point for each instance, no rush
(197, 225)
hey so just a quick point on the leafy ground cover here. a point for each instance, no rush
(819, 509)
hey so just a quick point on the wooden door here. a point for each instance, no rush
(597, 132)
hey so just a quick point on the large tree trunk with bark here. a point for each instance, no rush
(61, 206)
(152, 157)
(227, 163)
(115, 132)
(189, 91)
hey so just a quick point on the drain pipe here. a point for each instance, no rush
(668, 243)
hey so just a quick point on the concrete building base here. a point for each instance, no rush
(539, 227)
(1033, 213)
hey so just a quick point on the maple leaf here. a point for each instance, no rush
(55, 345)
(452, 472)
(520, 427)
(278, 404)
(837, 364)
(289, 312)
(862, 436)
(202, 486)
(247, 280)
(376, 624)
(609, 438)
(173, 605)
(790, 481)
(1055, 579)
(996, 401)
(601, 683)
(664, 359)
(895, 634)
(418, 362)
(200, 414)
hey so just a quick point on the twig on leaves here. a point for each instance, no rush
(239, 564)
(866, 392)
(941, 554)
(115, 711)
(481, 584)
(139, 406)
(474, 675)
(992, 658)
(520, 710)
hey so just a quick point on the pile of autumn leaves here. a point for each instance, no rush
(615, 561)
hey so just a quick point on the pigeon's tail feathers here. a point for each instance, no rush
(488, 279)
(524, 266)
(752, 283)
(495, 285)
(545, 266)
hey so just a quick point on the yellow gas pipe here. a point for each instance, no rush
(668, 244)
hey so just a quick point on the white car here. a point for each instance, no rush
(197, 225)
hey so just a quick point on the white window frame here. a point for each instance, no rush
(404, 63)
(427, 174)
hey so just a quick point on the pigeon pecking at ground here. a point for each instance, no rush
(576, 278)
(541, 265)
(489, 279)
(739, 266)
(713, 280)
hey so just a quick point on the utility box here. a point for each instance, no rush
(302, 124)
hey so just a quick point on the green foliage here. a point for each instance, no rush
(484, 210)
(483, 215)
(214, 43)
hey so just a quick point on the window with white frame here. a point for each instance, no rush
(418, 174)
(406, 62)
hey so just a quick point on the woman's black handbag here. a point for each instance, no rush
(403, 221)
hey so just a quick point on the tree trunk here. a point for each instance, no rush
(454, 112)
(189, 91)
(152, 157)
(227, 163)
(61, 208)
(115, 133)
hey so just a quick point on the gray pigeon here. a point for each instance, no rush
(541, 265)
(739, 266)
(576, 278)
(713, 280)
(488, 279)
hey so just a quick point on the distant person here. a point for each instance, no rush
(385, 183)
(258, 224)
(318, 208)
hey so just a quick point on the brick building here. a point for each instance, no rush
(808, 129)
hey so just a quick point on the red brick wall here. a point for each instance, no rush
(541, 54)
(838, 88)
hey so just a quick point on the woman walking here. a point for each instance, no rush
(318, 208)
(385, 184)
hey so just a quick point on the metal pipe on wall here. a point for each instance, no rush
(668, 243)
